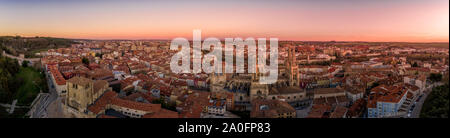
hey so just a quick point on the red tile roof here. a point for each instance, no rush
(163, 113)
(384, 93)
(57, 75)
(318, 111)
(101, 102)
(136, 105)
(110, 98)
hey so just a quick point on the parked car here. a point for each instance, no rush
(418, 99)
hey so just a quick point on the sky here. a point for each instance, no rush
(306, 20)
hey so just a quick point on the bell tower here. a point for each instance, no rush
(217, 81)
(292, 70)
(257, 89)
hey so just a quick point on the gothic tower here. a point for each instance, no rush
(217, 81)
(292, 70)
(257, 89)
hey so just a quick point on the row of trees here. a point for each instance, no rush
(436, 105)
(426, 57)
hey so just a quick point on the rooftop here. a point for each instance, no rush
(80, 81)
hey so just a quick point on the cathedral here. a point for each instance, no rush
(246, 87)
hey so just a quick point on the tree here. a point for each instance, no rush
(98, 55)
(25, 63)
(415, 64)
(10, 65)
(336, 60)
(85, 61)
(435, 77)
(375, 84)
(436, 104)
(4, 89)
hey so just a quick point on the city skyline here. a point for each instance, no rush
(386, 21)
(224, 67)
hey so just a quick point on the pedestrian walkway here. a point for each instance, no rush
(13, 105)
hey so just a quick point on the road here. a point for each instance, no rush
(9, 106)
(42, 106)
(18, 58)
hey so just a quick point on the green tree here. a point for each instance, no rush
(85, 61)
(5, 92)
(8, 87)
(415, 64)
(10, 65)
(437, 103)
(375, 84)
(25, 63)
(435, 77)
(98, 55)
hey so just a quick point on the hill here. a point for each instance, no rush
(28, 46)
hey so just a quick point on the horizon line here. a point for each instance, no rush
(221, 39)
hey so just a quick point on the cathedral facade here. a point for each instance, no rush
(246, 87)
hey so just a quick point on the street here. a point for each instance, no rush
(49, 105)
(418, 104)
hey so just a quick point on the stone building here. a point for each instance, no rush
(82, 92)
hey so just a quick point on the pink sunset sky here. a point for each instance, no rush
(346, 20)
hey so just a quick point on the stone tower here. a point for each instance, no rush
(292, 70)
(217, 81)
(257, 89)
